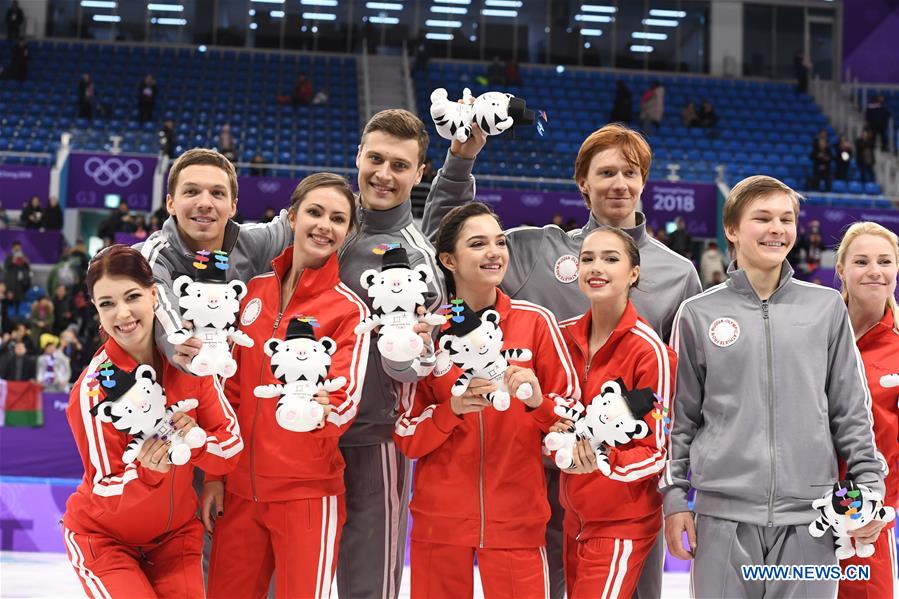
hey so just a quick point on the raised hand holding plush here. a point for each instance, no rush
(849, 506)
(613, 418)
(135, 403)
(494, 112)
(211, 304)
(301, 362)
(475, 344)
(397, 291)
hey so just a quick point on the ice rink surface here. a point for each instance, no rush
(50, 576)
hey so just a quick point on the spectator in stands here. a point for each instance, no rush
(52, 218)
(496, 73)
(512, 73)
(821, 163)
(623, 108)
(688, 115)
(652, 107)
(801, 67)
(41, 318)
(302, 91)
(53, 369)
(139, 226)
(708, 118)
(62, 309)
(822, 136)
(429, 173)
(118, 221)
(710, 264)
(814, 249)
(72, 349)
(32, 213)
(17, 273)
(680, 240)
(421, 54)
(19, 63)
(842, 158)
(864, 155)
(18, 365)
(258, 171)
(15, 20)
(4, 217)
(20, 333)
(146, 98)
(226, 145)
(87, 97)
(167, 141)
(268, 215)
(877, 117)
(160, 215)
(321, 97)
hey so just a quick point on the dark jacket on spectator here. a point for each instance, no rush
(18, 368)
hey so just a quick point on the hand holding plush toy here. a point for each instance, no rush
(613, 418)
(301, 363)
(136, 404)
(397, 291)
(211, 304)
(475, 344)
(849, 506)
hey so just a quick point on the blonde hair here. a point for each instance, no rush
(855, 231)
(747, 191)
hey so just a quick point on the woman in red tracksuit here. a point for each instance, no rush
(479, 488)
(612, 521)
(867, 264)
(282, 509)
(132, 530)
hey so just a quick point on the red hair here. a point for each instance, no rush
(119, 261)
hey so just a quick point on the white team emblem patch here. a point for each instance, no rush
(442, 363)
(566, 268)
(251, 312)
(724, 332)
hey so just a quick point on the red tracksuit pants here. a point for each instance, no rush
(297, 540)
(447, 572)
(883, 571)
(603, 567)
(108, 568)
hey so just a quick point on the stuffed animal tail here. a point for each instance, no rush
(368, 324)
(179, 336)
(432, 319)
(183, 406)
(517, 355)
(332, 385)
(241, 338)
(268, 391)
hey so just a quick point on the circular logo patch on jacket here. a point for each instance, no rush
(566, 268)
(724, 332)
(251, 312)
(442, 363)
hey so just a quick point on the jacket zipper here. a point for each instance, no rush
(168, 524)
(256, 411)
(481, 476)
(769, 363)
(564, 487)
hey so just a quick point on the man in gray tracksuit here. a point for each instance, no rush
(543, 269)
(769, 393)
(377, 475)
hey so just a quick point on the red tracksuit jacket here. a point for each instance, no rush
(479, 478)
(625, 504)
(131, 503)
(283, 465)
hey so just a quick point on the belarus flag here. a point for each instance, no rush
(20, 403)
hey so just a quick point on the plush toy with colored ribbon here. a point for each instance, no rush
(849, 506)
(397, 291)
(474, 343)
(301, 362)
(613, 418)
(211, 303)
(135, 403)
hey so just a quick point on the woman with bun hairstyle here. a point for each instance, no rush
(478, 488)
(282, 510)
(131, 529)
(617, 354)
(867, 264)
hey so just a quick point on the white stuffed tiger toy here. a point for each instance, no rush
(301, 363)
(452, 119)
(397, 291)
(211, 304)
(849, 506)
(613, 418)
(475, 344)
(136, 404)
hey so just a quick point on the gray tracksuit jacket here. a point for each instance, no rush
(251, 249)
(389, 387)
(769, 394)
(543, 260)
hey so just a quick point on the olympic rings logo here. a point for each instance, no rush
(113, 171)
(269, 186)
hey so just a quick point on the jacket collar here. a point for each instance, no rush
(883, 328)
(123, 359)
(637, 232)
(385, 221)
(312, 280)
(739, 280)
(170, 231)
(580, 330)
